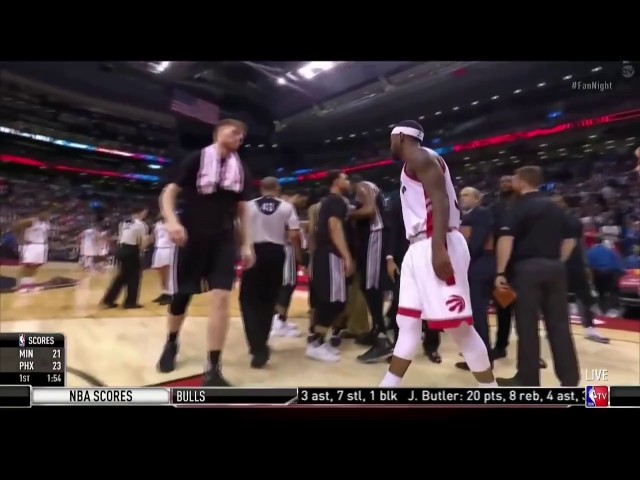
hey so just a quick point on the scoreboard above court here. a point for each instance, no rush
(36, 359)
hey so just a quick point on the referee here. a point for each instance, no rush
(274, 223)
(535, 241)
(132, 239)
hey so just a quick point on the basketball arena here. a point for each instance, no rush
(88, 163)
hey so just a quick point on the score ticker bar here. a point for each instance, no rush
(25, 395)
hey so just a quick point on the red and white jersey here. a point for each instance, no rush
(38, 232)
(416, 204)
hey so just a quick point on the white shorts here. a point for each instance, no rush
(88, 252)
(162, 257)
(424, 296)
(34, 254)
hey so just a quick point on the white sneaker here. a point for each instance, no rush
(613, 313)
(592, 334)
(332, 349)
(321, 353)
(284, 329)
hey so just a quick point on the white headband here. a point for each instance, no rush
(412, 132)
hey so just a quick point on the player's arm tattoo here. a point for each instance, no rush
(242, 214)
(313, 226)
(430, 173)
(365, 196)
(167, 202)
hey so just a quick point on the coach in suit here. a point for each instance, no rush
(477, 227)
(396, 247)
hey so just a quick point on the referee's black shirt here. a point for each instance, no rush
(214, 212)
(538, 227)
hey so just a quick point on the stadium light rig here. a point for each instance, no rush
(312, 69)
(159, 67)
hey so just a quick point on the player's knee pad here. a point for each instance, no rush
(409, 337)
(472, 347)
(179, 304)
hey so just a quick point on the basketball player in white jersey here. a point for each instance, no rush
(89, 248)
(34, 252)
(103, 258)
(163, 253)
(433, 284)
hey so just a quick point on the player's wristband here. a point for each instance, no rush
(500, 275)
(389, 257)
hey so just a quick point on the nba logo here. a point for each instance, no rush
(597, 396)
(21, 340)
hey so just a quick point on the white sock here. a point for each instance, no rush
(26, 281)
(390, 380)
(488, 385)
(590, 330)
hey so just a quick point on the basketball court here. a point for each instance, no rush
(120, 347)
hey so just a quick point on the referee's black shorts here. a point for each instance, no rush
(206, 262)
(329, 282)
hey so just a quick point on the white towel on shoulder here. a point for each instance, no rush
(218, 174)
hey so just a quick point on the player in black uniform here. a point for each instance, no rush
(332, 265)
(215, 186)
(371, 229)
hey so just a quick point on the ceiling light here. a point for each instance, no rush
(466, 158)
(438, 112)
(274, 145)
(542, 145)
(567, 77)
(630, 138)
(261, 145)
(502, 152)
(282, 81)
(455, 108)
(248, 145)
(339, 138)
(593, 136)
(311, 69)
(327, 141)
(352, 135)
(495, 97)
(364, 133)
(475, 102)
(596, 69)
(517, 91)
(540, 153)
(541, 84)
(512, 157)
(391, 125)
(543, 157)
(421, 117)
(610, 141)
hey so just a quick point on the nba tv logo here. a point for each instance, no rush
(21, 340)
(597, 396)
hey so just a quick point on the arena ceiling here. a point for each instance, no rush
(311, 98)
